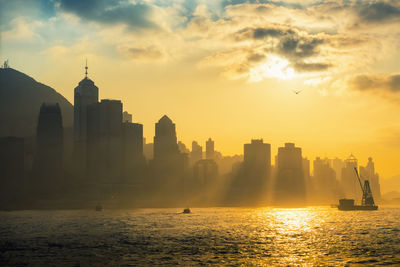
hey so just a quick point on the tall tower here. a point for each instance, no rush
(209, 149)
(197, 152)
(290, 184)
(85, 94)
(49, 152)
(165, 142)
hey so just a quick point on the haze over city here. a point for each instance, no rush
(199, 132)
(231, 66)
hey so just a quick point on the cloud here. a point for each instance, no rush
(377, 12)
(134, 15)
(311, 67)
(367, 82)
(148, 53)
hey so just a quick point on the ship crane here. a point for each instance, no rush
(367, 198)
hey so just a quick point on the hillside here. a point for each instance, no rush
(20, 100)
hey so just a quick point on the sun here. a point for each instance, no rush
(274, 67)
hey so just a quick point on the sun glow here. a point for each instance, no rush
(274, 67)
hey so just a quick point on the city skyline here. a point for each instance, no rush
(225, 63)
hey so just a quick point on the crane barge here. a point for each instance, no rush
(367, 202)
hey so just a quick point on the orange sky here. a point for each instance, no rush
(228, 71)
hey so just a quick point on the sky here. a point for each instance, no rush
(228, 69)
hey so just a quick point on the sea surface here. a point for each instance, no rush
(208, 236)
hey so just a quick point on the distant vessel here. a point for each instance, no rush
(367, 202)
(187, 210)
(99, 208)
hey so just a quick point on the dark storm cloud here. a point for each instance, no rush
(376, 82)
(311, 67)
(378, 12)
(291, 44)
(299, 47)
(261, 33)
(135, 16)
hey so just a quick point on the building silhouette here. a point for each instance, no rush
(126, 117)
(289, 184)
(210, 149)
(197, 153)
(349, 183)
(132, 147)
(165, 141)
(85, 94)
(368, 173)
(205, 173)
(326, 185)
(182, 148)
(104, 140)
(249, 185)
(168, 165)
(337, 165)
(12, 169)
(47, 168)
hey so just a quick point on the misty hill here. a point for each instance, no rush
(20, 100)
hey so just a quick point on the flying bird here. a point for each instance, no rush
(297, 91)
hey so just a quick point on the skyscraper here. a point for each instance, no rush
(85, 94)
(168, 164)
(132, 146)
(368, 173)
(11, 168)
(104, 139)
(165, 141)
(325, 183)
(197, 153)
(49, 146)
(250, 183)
(210, 149)
(290, 184)
(349, 182)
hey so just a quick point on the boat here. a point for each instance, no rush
(99, 208)
(186, 211)
(367, 202)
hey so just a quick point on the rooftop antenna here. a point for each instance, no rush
(86, 68)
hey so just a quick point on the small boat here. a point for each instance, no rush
(186, 211)
(99, 208)
(367, 202)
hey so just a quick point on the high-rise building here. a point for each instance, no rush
(132, 146)
(337, 165)
(289, 184)
(250, 183)
(210, 149)
(368, 173)
(85, 94)
(325, 183)
(104, 139)
(205, 172)
(182, 148)
(197, 153)
(126, 117)
(168, 165)
(49, 146)
(257, 155)
(165, 141)
(11, 167)
(349, 182)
